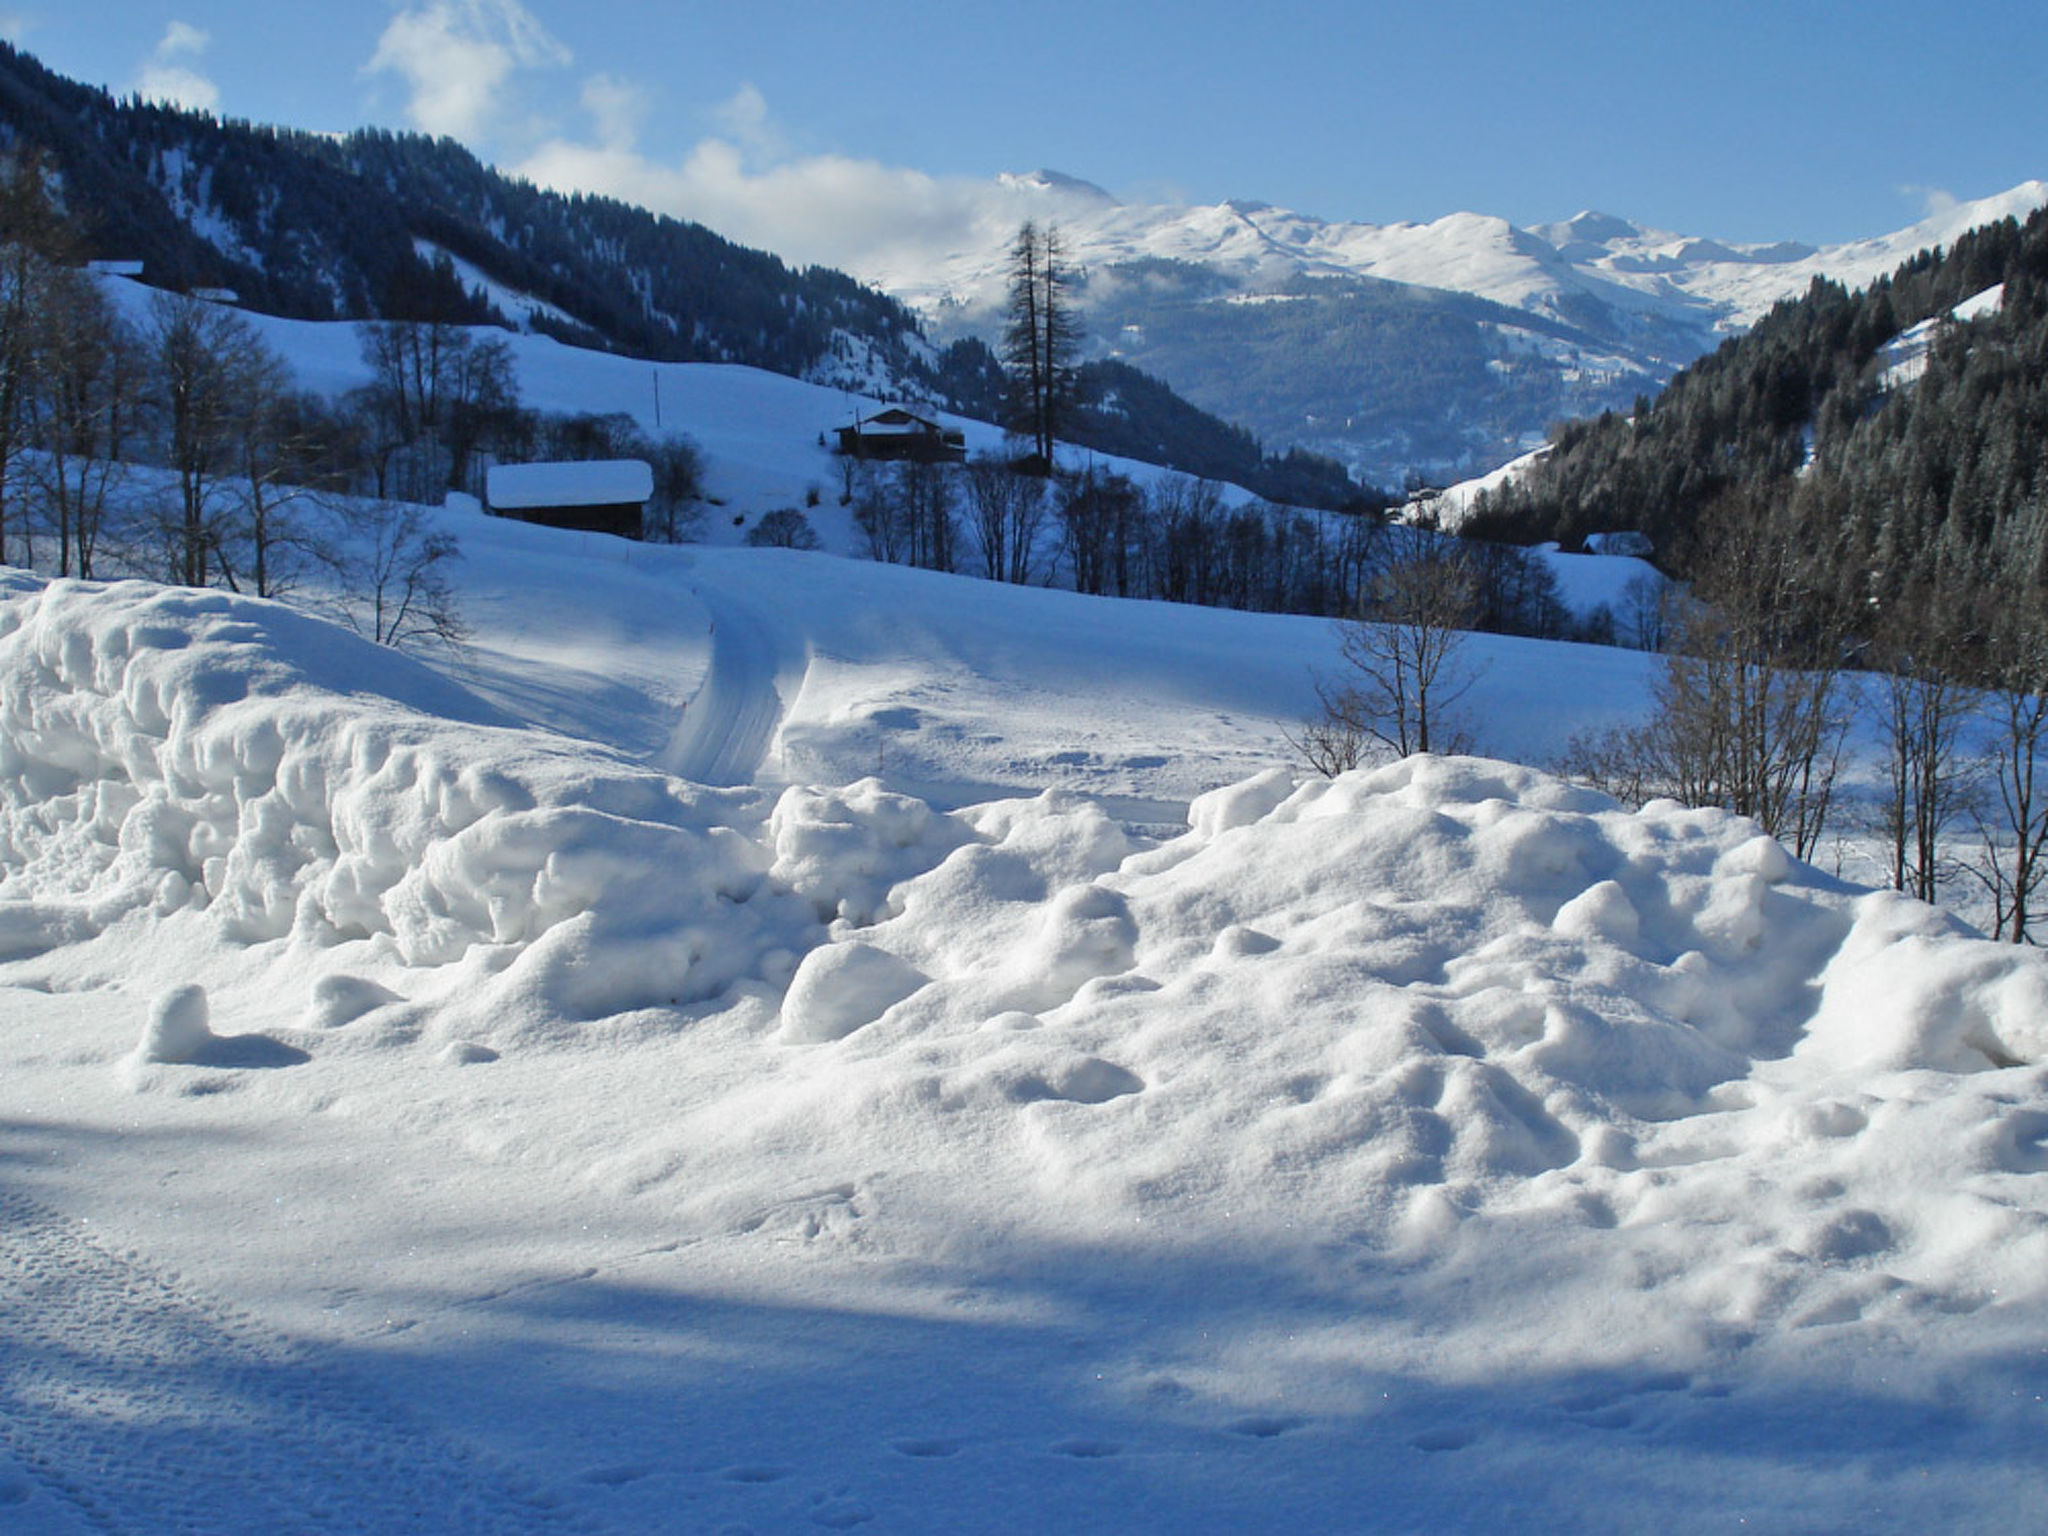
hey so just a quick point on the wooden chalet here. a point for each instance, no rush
(592, 496)
(897, 433)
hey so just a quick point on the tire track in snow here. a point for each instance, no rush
(137, 1404)
(728, 727)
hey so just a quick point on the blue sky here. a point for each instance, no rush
(809, 127)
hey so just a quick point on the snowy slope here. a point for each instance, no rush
(557, 1143)
(764, 435)
(1905, 355)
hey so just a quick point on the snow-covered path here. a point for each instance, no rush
(727, 729)
(130, 1400)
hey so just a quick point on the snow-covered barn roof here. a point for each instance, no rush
(577, 483)
(895, 418)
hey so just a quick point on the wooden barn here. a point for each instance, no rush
(592, 495)
(897, 433)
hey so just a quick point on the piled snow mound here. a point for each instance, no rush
(1379, 1004)
(1452, 1042)
(165, 752)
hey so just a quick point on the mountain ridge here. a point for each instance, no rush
(1587, 312)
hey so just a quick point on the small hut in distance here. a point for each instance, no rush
(589, 495)
(896, 433)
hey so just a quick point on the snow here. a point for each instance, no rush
(1551, 269)
(992, 1088)
(523, 309)
(1589, 582)
(1905, 355)
(1449, 508)
(583, 483)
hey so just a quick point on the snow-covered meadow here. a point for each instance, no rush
(760, 1041)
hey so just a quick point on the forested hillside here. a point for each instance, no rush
(348, 228)
(1893, 477)
(1857, 488)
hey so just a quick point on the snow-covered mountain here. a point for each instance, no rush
(1442, 346)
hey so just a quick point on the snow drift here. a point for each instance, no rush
(1535, 1083)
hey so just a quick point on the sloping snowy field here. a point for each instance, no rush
(422, 1110)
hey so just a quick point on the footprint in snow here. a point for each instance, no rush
(1265, 1426)
(615, 1477)
(1608, 1407)
(1450, 1438)
(839, 1512)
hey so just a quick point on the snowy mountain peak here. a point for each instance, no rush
(1598, 227)
(1059, 184)
(1587, 312)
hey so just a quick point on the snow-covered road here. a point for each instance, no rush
(130, 1400)
(726, 730)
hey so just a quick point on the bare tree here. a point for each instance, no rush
(1099, 514)
(81, 412)
(1405, 668)
(437, 395)
(676, 512)
(1923, 706)
(1644, 618)
(480, 407)
(1750, 712)
(907, 514)
(210, 376)
(281, 453)
(783, 528)
(1006, 510)
(36, 243)
(1331, 743)
(1740, 729)
(2013, 825)
(394, 575)
(1187, 525)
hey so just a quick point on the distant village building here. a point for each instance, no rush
(1627, 542)
(115, 268)
(897, 433)
(214, 295)
(592, 496)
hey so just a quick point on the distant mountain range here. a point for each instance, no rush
(1446, 347)
(378, 225)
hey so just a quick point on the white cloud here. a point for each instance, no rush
(876, 221)
(455, 57)
(167, 76)
(616, 108)
(744, 119)
(1933, 201)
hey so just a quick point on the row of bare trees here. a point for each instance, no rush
(1773, 667)
(1177, 540)
(169, 440)
(1771, 671)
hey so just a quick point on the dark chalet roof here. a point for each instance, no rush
(899, 433)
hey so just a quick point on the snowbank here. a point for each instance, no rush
(1443, 1083)
(168, 752)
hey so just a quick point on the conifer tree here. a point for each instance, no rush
(1040, 340)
